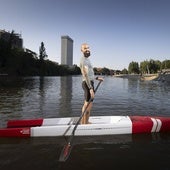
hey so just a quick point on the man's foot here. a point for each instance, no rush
(83, 123)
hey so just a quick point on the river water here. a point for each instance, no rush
(47, 97)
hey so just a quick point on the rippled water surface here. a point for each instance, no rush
(35, 97)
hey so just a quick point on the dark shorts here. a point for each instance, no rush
(87, 90)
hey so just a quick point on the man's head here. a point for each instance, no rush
(85, 49)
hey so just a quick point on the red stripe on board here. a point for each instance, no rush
(24, 123)
(15, 132)
(141, 124)
(165, 124)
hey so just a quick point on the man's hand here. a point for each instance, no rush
(100, 78)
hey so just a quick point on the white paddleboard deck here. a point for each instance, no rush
(100, 125)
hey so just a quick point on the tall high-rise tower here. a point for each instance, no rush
(66, 50)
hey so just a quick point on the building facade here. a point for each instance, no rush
(66, 50)
(16, 40)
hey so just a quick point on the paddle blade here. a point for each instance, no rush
(65, 152)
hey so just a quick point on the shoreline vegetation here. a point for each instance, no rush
(24, 62)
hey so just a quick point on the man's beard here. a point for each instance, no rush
(87, 54)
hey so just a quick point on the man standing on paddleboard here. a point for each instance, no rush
(87, 82)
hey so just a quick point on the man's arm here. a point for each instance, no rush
(85, 74)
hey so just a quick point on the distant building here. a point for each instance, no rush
(66, 50)
(16, 40)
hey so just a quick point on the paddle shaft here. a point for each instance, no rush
(67, 148)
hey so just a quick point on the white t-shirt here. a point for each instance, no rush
(85, 63)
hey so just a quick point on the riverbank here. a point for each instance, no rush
(146, 77)
(136, 76)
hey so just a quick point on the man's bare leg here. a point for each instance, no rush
(87, 115)
(85, 118)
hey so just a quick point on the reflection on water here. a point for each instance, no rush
(147, 150)
(34, 97)
(66, 96)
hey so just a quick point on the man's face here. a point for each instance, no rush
(86, 50)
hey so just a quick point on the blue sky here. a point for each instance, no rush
(118, 31)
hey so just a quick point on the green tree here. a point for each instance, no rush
(124, 71)
(150, 67)
(133, 68)
(165, 64)
(105, 71)
(42, 52)
(154, 66)
(144, 67)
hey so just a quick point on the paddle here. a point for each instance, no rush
(67, 148)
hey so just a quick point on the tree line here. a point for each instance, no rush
(148, 67)
(20, 62)
(145, 67)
